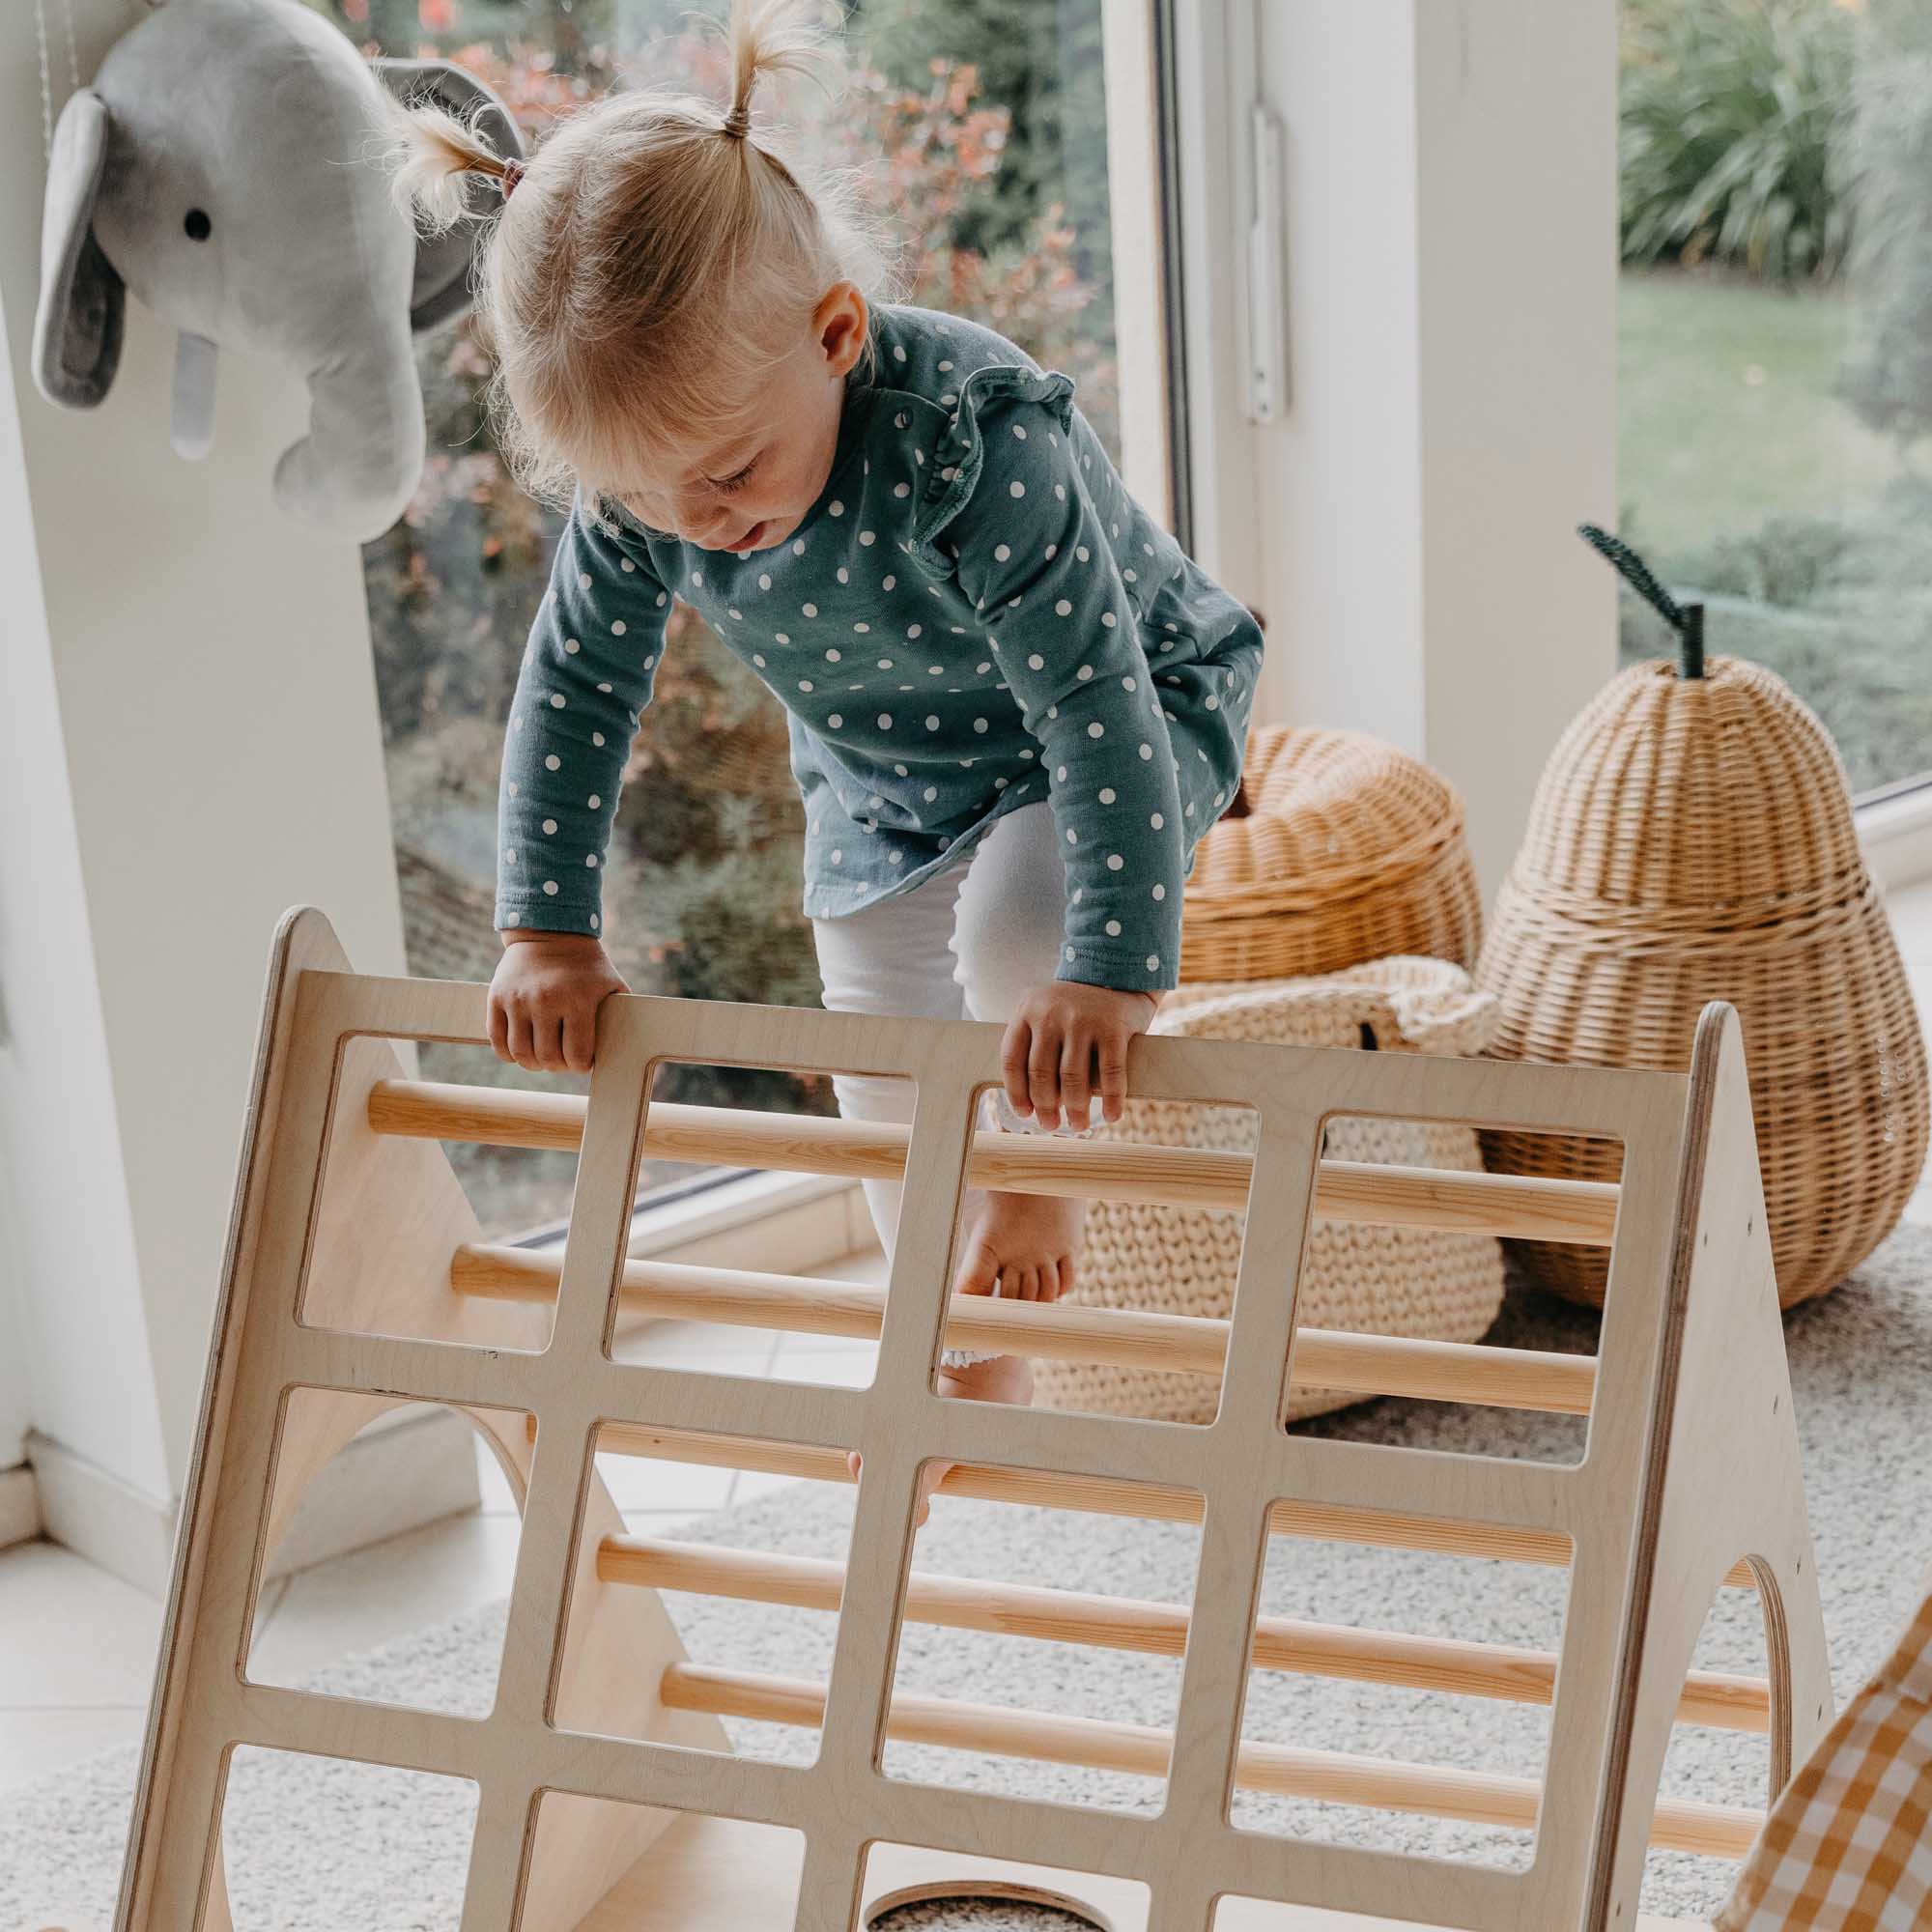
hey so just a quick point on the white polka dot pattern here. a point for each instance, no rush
(976, 518)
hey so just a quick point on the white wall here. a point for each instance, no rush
(88, 1376)
(189, 744)
(1516, 249)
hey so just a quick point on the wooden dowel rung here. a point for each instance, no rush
(1457, 1667)
(1103, 1495)
(1282, 1771)
(1520, 1205)
(1057, 1331)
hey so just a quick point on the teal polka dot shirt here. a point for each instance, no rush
(975, 615)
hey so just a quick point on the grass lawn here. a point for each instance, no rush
(1726, 413)
(1728, 421)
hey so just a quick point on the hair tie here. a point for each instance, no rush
(738, 123)
(513, 172)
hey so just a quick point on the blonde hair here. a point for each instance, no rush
(651, 260)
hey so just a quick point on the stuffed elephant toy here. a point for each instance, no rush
(224, 166)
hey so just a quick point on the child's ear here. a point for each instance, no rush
(839, 323)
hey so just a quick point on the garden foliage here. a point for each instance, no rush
(1731, 115)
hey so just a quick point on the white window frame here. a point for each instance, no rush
(1403, 520)
(1895, 835)
(1483, 628)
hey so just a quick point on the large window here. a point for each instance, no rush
(1776, 348)
(981, 125)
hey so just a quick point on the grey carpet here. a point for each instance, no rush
(318, 1845)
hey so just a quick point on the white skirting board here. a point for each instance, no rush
(19, 1505)
(411, 1468)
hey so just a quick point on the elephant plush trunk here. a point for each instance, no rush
(191, 431)
(356, 470)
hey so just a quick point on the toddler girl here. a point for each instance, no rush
(1014, 705)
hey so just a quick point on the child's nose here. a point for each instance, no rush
(715, 523)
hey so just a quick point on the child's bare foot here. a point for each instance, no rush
(1003, 1378)
(1024, 1247)
(1027, 1244)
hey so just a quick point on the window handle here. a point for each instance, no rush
(1268, 346)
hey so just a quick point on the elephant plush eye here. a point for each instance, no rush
(198, 225)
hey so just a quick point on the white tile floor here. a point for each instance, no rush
(79, 1646)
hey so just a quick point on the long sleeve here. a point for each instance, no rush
(1028, 547)
(584, 681)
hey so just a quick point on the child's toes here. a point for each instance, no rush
(979, 1272)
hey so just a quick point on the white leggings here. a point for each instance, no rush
(967, 943)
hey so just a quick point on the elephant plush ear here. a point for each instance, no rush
(83, 302)
(441, 287)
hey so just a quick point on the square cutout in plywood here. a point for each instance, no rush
(1167, 1251)
(1011, 1675)
(406, 1241)
(515, 1184)
(399, 1853)
(1379, 1299)
(755, 1620)
(359, 1594)
(700, 1869)
(1594, 1162)
(773, 1119)
(1372, 1649)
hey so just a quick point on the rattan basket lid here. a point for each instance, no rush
(1720, 797)
(1321, 815)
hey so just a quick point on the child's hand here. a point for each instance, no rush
(1064, 1035)
(545, 996)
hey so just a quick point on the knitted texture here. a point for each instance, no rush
(1384, 1281)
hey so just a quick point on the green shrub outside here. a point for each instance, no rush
(1841, 611)
(1732, 116)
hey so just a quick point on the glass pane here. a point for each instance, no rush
(1776, 348)
(981, 130)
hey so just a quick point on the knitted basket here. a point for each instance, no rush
(1337, 848)
(1691, 840)
(1386, 1281)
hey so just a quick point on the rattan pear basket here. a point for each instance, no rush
(1691, 840)
(1337, 848)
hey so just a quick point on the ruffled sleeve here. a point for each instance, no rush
(584, 681)
(1007, 512)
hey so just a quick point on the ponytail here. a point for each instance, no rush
(664, 255)
(431, 157)
(770, 37)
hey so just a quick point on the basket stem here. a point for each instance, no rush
(1685, 619)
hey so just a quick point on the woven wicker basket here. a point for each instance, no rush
(1691, 840)
(1337, 848)
(1383, 1281)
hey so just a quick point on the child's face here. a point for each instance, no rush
(747, 487)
